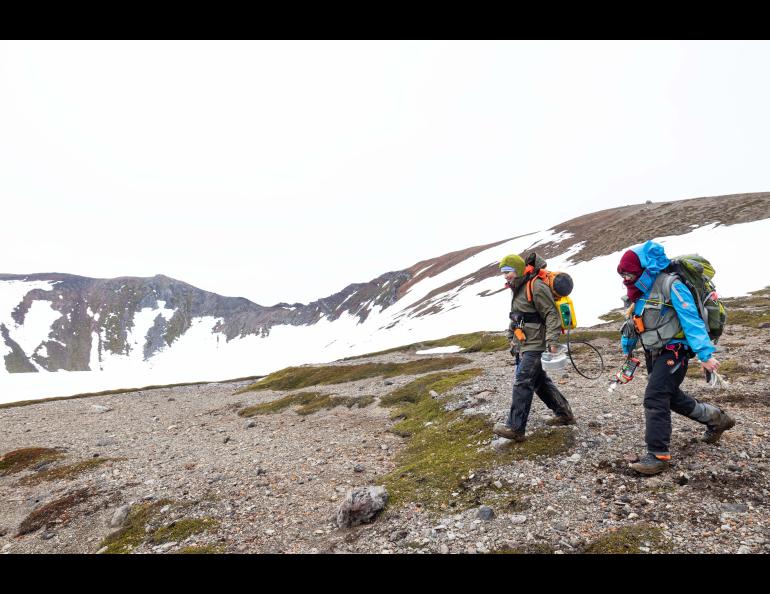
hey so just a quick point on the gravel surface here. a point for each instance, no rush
(273, 483)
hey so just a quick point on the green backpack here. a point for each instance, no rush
(696, 272)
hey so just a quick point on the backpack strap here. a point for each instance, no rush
(540, 274)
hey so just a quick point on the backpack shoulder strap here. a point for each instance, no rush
(543, 276)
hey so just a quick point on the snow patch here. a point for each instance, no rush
(36, 326)
(440, 350)
(202, 355)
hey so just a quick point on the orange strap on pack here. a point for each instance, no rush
(541, 274)
(638, 324)
(519, 334)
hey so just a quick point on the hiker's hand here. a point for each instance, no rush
(513, 344)
(553, 348)
(710, 365)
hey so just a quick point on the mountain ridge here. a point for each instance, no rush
(58, 321)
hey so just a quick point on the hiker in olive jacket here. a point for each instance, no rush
(535, 326)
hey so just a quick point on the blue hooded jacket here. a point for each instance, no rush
(653, 259)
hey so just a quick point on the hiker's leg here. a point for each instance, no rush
(523, 388)
(551, 396)
(661, 389)
(681, 402)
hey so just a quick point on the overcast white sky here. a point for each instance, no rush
(283, 171)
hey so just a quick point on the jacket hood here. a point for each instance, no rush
(536, 261)
(652, 256)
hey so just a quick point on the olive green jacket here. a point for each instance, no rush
(538, 336)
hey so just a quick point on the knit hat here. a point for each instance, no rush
(630, 263)
(512, 262)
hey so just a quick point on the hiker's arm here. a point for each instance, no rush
(545, 306)
(694, 328)
(628, 337)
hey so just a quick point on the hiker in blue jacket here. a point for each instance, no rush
(667, 323)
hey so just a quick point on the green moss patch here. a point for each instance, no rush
(18, 460)
(275, 406)
(329, 402)
(63, 472)
(474, 342)
(420, 388)
(541, 443)
(307, 403)
(616, 315)
(748, 317)
(293, 378)
(477, 342)
(181, 529)
(143, 524)
(134, 531)
(630, 539)
(752, 310)
(447, 448)
(53, 513)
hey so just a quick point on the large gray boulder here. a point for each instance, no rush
(361, 505)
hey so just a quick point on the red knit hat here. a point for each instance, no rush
(629, 263)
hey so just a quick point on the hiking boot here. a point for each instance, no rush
(650, 464)
(506, 431)
(561, 420)
(719, 423)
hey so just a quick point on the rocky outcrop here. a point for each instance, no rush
(361, 505)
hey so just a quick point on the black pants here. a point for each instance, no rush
(664, 395)
(530, 378)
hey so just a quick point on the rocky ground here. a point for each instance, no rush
(179, 470)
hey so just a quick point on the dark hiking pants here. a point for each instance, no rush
(530, 378)
(664, 395)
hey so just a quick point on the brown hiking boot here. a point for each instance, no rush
(561, 420)
(719, 423)
(504, 430)
(651, 464)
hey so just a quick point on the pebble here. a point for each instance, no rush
(736, 508)
(101, 551)
(119, 516)
(574, 457)
(518, 519)
(359, 468)
(98, 408)
(251, 424)
(486, 513)
(443, 549)
(167, 546)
